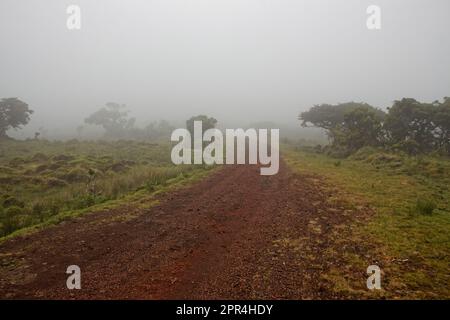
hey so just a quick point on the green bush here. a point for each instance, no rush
(86, 201)
(9, 201)
(38, 211)
(337, 151)
(54, 209)
(425, 206)
(11, 219)
(410, 146)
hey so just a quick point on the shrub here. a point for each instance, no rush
(41, 168)
(54, 209)
(11, 219)
(39, 157)
(119, 167)
(337, 151)
(410, 146)
(152, 184)
(63, 157)
(55, 182)
(364, 153)
(10, 201)
(16, 162)
(75, 175)
(425, 206)
(38, 211)
(86, 201)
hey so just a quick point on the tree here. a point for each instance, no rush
(113, 118)
(328, 116)
(14, 113)
(158, 129)
(361, 128)
(207, 123)
(441, 119)
(409, 121)
(332, 118)
(409, 125)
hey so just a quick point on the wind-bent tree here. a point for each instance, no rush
(207, 123)
(14, 113)
(411, 123)
(342, 117)
(113, 118)
(328, 116)
(362, 127)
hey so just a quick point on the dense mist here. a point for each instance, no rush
(240, 61)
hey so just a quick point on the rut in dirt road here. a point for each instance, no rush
(234, 235)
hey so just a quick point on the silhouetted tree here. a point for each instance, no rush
(113, 118)
(409, 125)
(207, 123)
(410, 122)
(14, 113)
(337, 118)
(158, 129)
(362, 127)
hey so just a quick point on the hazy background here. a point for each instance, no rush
(240, 61)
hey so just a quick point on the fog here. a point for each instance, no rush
(240, 61)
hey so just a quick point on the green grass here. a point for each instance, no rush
(143, 198)
(411, 224)
(41, 180)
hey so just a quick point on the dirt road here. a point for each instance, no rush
(234, 235)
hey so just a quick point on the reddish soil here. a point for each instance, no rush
(233, 235)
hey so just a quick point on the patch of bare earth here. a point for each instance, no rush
(234, 235)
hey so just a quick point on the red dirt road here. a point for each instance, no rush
(234, 235)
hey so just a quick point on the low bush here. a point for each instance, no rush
(10, 201)
(11, 219)
(425, 206)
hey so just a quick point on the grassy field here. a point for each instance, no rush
(42, 181)
(410, 228)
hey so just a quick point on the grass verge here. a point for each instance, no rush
(143, 198)
(410, 230)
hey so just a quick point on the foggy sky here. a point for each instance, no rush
(236, 60)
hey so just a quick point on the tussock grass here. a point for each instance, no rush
(425, 206)
(44, 179)
(140, 199)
